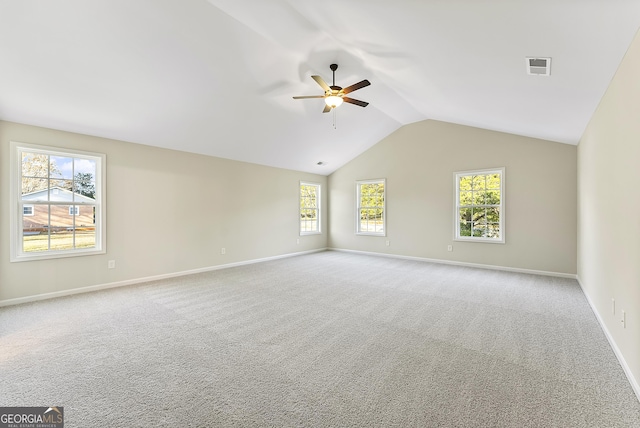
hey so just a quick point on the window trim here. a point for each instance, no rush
(15, 215)
(318, 208)
(384, 207)
(456, 196)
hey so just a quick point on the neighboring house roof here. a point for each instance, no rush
(58, 194)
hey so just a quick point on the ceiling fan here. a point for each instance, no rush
(335, 95)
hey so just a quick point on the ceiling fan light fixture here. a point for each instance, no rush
(333, 101)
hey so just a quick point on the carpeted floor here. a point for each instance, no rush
(327, 339)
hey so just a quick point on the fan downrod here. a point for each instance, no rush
(333, 68)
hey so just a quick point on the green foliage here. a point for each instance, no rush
(479, 212)
(371, 201)
(308, 202)
(309, 208)
(84, 184)
(479, 190)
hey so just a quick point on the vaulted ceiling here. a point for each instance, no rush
(217, 77)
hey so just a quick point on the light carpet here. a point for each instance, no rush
(322, 340)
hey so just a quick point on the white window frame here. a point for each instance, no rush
(359, 184)
(16, 204)
(501, 206)
(318, 208)
(27, 206)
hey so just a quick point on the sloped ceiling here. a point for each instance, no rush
(217, 77)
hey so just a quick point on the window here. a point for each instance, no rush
(370, 209)
(56, 202)
(309, 208)
(480, 205)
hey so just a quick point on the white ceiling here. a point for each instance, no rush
(217, 77)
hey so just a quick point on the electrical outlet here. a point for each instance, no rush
(624, 320)
(613, 306)
(449, 247)
(111, 264)
(223, 251)
(298, 241)
(387, 243)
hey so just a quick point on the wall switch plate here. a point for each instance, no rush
(613, 306)
(624, 319)
(387, 243)
(449, 247)
(298, 241)
(111, 264)
(223, 251)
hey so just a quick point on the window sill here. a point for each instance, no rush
(55, 255)
(480, 240)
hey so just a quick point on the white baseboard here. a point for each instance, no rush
(614, 346)
(456, 263)
(88, 289)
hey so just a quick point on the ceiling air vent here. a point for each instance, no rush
(539, 66)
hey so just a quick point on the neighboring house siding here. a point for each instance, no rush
(60, 218)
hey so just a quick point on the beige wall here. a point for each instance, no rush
(419, 161)
(609, 209)
(167, 212)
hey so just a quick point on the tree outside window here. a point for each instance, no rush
(309, 208)
(371, 207)
(480, 205)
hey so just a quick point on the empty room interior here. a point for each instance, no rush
(295, 213)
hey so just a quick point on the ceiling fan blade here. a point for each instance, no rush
(327, 108)
(322, 83)
(354, 101)
(356, 86)
(308, 96)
